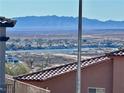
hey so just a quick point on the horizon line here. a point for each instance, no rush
(66, 16)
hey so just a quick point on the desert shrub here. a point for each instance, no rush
(16, 69)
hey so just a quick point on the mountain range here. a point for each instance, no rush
(63, 24)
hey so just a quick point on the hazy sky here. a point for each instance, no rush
(96, 9)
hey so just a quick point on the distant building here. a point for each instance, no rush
(103, 74)
(11, 59)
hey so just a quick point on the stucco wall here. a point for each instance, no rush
(118, 75)
(61, 84)
(99, 76)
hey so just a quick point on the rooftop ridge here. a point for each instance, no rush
(116, 53)
(49, 73)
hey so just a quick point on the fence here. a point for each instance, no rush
(20, 87)
(9, 88)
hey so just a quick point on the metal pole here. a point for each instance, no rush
(4, 22)
(78, 81)
(2, 60)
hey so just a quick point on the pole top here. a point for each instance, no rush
(7, 22)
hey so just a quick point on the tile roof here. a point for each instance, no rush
(5, 22)
(49, 73)
(116, 53)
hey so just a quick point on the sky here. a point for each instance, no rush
(94, 9)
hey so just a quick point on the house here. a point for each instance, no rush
(104, 74)
(12, 59)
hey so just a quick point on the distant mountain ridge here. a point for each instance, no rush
(56, 21)
(63, 24)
